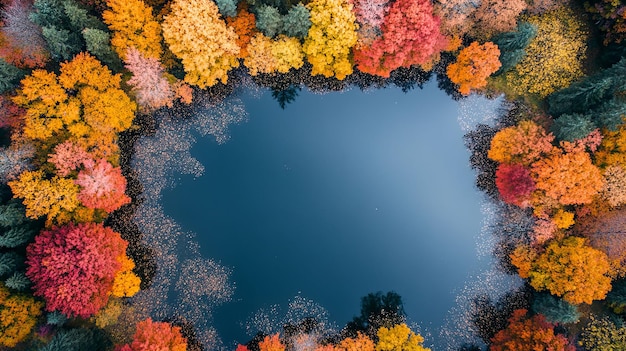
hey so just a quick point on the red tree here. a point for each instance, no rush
(102, 186)
(534, 333)
(515, 184)
(410, 36)
(72, 267)
(160, 336)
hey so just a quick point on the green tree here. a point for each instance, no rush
(556, 310)
(10, 76)
(228, 8)
(98, 43)
(18, 281)
(296, 22)
(572, 127)
(513, 45)
(268, 20)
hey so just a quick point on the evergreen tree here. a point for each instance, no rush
(98, 43)
(9, 263)
(512, 45)
(12, 214)
(62, 43)
(16, 236)
(78, 340)
(227, 8)
(611, 114)
(572, 127)
(616, 298)
(18, 281)
(56, 318)
(79, 17)
(268, 20)
(296, 22)
(555, 309)
(10, 76)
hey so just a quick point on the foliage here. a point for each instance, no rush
(9, 76)
(260, 58)
(568, 178)
(568, 268)
(68, 157)
(102, 186)
(85, 99)
(109, 314)
(473, 66)
(198, 36)
(287, 52)
(513, 45)
(524, 143)
(18, 315)
(616, 298)
(125, 283)
(609, 15)
(488, 317)
(55, 318)
(614, 190)
(553, 58)
(18, 281)
(271, 343)
(268, 20)
(227, 8)
(515, 184)
(244, 25)
(15, 228)
(97, 43)
(9, 262)
(359, 343)
(150, 86)
(78, 339)
(410, 36)
(554, 309)
(73, 267)
(151, 335)
(45, 197)
(370, 13)
(455, 15)
(399, 338)
(133, 25)
(296, 22)
(378, 310)
(601, 334)
(572, 127)
(21, 40)
(495, 16)
(534, 333)
(330, 38)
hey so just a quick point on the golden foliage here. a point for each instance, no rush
(133, 25)
(287, 53)
(554, 57)
(399, 338)
(196, 33)
(18, 315)
(524, 144)
(109, 314)
(330, 38)
(361, 343)
(260, 58)
(126, 283)
(45, 197)
(473, 66)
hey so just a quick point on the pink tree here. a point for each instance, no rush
(73, 267)
(68, 157)
(102, 186)
(150, 86)
(23, 45)
(370, 15)
(410, 36)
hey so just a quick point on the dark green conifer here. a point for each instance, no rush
(10, 76)
(555, 309)
(573, 127)
(18, 281)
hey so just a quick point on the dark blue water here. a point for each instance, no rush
(337, 196)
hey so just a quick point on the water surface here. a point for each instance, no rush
(337, 196)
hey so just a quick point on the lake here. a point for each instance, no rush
(334, 197)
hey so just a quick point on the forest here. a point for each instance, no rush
(81, 79)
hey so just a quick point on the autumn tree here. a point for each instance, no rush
(610, 19)
(151, 87)
(568, 178)
(68, 157)
(133, 25)
(45, 197)
(84, 100)
(296, 22)
(260, 58)
(455, 15)
(614, 190)
(553, 58)
(496, 16)
(197, 35)
(244, 25)
(271, 343)
(515, 184)
(330, 38)
(410, 36)
(512, 45)
(287, 53)
(151, 335)
(399, 338)
(473, 66)
(73, 267)
(601, 334)
(360, 342)
(568, 268)
(102, 186)
(18, 316)
(21, 40)
(529, 333)
(524, 143)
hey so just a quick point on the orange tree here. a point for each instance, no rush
(473, 65)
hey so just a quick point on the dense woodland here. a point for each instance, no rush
(80, 80)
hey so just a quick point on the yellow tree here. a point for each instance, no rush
(133, 25)
(84, 101)
(331, 37)
(260, 58)
(207, 47)
(473, 66)
(45, 197)
(399, 338)
(554, 58)
(18, 316)
(569, 268)
(287, 52)
(125, 283)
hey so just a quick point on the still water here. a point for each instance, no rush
(334, 197)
